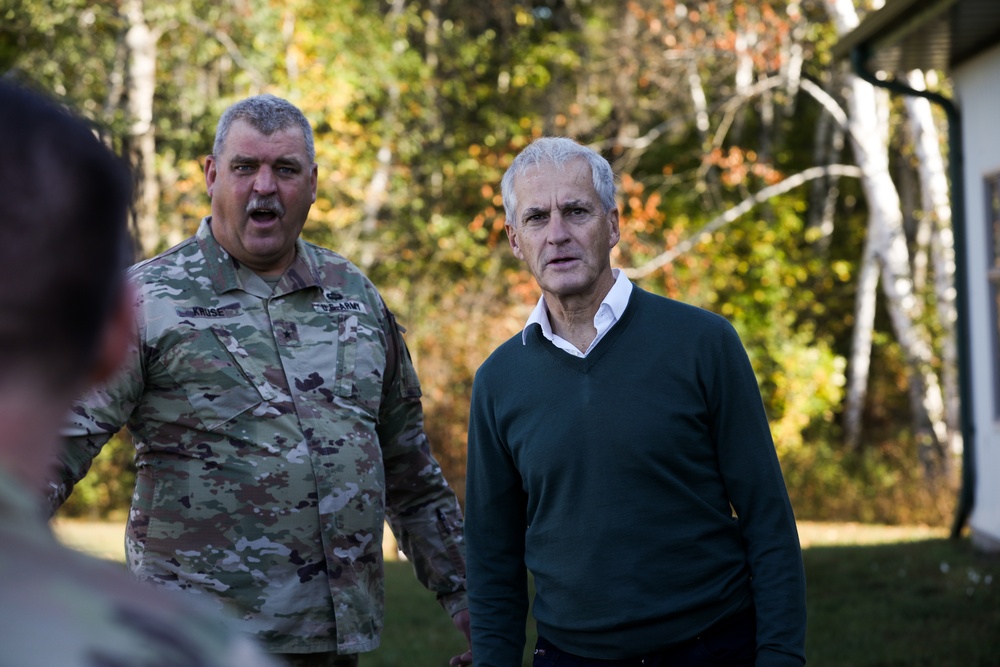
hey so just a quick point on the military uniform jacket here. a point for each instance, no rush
(62, 608)
(275, 431)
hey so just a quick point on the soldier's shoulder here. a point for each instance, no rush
(166, 262)
(336, 269)
(325, 257)
(101, 616)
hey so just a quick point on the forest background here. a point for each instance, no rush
(759, 178)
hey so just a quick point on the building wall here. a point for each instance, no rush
(977, 92)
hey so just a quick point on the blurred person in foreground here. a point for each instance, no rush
(276, 416)
(64, 322)
(619, 451)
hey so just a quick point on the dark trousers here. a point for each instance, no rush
(730, 643)
(318, 659)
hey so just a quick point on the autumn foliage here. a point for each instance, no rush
(418, 108)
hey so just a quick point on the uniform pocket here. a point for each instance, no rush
(218, 377)
(340, 354)
(360, 361)
(347, 354)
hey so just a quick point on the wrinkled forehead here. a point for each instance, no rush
(574, 167)
(248, 141)
(550, 180)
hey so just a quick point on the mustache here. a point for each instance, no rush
(265, 203)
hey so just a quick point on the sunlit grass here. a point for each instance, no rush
(928, 603)
(418, 631)
(878, 597)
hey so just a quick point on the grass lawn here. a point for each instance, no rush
(931, 602)
(878, 597)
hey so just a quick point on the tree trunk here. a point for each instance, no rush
(862, 335)
(936, 204)
(885, 230)
(140, 43)
(827, 148)
(377, 190)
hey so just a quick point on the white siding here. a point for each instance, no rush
(977, 91)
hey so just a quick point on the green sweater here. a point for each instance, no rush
(614, 479)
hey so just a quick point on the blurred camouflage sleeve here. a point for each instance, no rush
(91, 422)
(421, 507)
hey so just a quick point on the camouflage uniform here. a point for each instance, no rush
(274, 432)
(61, 608)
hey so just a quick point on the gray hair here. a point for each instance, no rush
(267, 114)
(557, 151)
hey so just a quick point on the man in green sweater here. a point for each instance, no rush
(619, 451)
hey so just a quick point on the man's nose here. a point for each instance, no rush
(558, 228)
(265, 181)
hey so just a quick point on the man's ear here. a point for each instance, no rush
(114, 341)
(615, 231)
(512, 240)
(210, 174)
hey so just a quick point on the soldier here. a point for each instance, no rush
(275, 413)
(64, 321)
(646, 498)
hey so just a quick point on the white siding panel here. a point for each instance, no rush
(977, 91)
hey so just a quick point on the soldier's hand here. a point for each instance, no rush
(461, 621)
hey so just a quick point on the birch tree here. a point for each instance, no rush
(140, 43)
(866, 107)
(938, 244)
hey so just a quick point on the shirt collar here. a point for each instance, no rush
(616, 301)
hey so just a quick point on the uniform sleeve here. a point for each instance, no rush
(421, 507)
(91, 422)
(495, 503)
(750, 470)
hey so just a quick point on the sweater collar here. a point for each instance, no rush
(609, 312)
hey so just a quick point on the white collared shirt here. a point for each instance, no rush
(610, 311)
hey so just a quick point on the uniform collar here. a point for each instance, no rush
(228, 274)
